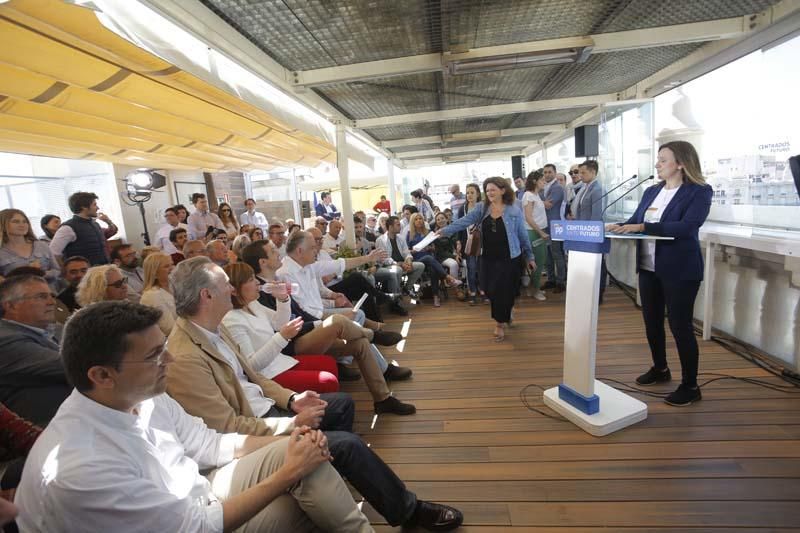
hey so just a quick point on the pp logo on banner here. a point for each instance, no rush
(556, 230)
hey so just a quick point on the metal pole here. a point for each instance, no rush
(392, 189)
(344, 183)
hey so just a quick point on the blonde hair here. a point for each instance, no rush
(412, 223)
(686, 156)
(92, 288)
(5, 217)
(151, 266)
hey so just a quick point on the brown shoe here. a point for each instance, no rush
(394, 406)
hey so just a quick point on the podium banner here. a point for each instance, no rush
(578, 230)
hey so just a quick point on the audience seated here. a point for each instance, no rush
(32, 379)
(163, 237)
(446, 249)
(418, 230)
(352, 286)
(334, 238)
(194, 249)
(256, 234)
(74, 270)
(277, 234)
(261, 334)
(126, 258)
(337, 335)
(17, 435)
(218, 252)
(238, 245)
(19, 247)
(146, 251)
(210, 378)
(49, 225)
(178, 238)
(398, 262)
(157, 293)
(128, 457)
(103, 282)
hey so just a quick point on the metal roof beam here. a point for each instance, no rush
(487, 111)
(473, 136)
(712, 30)
(517, 145)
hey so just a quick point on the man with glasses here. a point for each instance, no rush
(134, 462)
(126, 258)
(32, 379)
(277, 234)
(573, 188)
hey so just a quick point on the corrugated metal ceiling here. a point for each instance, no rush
(311, 34)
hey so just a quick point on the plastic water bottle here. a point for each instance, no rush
(270, 286)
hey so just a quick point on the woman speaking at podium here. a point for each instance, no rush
(670, 271)
(505, 248)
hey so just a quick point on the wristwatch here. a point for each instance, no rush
(291, 401)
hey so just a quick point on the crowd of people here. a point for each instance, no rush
(194, 384)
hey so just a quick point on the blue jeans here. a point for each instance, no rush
(472, 273)
(436, 271)
(356, 462)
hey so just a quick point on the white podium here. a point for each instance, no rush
(591, 405)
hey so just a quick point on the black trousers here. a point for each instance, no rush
(354, 286)
(678, 297)
(356, 462)
(500, 280)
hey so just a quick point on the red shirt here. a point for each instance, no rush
(383, 207)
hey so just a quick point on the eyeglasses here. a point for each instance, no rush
(158, 359)
(573, 172)
(119, 283)
(494, 224)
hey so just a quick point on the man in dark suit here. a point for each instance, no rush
(32, 379)
(326, 209)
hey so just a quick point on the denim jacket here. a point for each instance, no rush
(513, 220)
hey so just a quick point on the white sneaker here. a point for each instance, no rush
(539, 295)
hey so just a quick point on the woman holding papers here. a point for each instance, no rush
(505, 248)
(417, 233)
(670, 271)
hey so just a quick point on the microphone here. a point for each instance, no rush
(615, 188)
(625, 193)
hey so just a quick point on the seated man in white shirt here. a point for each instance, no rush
(277, 234)
(121, 455)
(398, 260)
(162, 237)
(334, 238)
(253, 218)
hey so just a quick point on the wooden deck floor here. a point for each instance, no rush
(730, 461)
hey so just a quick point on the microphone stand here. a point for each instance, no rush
(617, 187)
(625, 193)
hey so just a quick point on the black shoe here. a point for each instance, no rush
(398, 309)
(394, 406)
(684, 395)
(347, 374)
(653, 376)
(435, 517)
(397, 373)
(559, 289)
(548, 285)
(386, 338)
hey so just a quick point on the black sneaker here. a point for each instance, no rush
(394, 406)
(653, 376)
(684, 395)
(397, 373)
(347, 374)
(548, 285)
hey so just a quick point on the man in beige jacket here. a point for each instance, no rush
(212, 380)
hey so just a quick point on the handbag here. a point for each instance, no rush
(473, 245)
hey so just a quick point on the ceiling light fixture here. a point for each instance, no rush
(456, 67)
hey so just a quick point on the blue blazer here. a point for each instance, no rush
(679, 259)
(322, 212)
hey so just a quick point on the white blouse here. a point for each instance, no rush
(163, 300)
(255, 331)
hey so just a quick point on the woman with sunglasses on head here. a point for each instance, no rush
(505, 248)
(225, 214)
(670, 271)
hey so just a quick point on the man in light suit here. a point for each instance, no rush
(590, 205)
(211, 379)
(32, 379)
